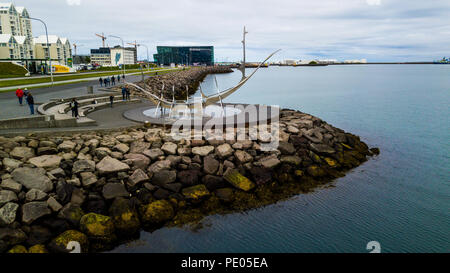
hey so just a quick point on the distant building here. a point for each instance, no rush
(17, 43)
(362, 61)
(114, 56)
(101, 56)
(188, 55)
(60, 49)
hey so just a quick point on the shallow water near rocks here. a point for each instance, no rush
(400, 198)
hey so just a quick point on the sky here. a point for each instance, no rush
(376, 30)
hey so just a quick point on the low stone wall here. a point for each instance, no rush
(36, 122)
(100, 189)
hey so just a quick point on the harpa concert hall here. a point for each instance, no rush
(188, 55)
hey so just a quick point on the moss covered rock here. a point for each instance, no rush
(156, 213)
(124, 216)
(196, 193)
(59, 244)
(331, 162)
(316, 171)
(38, 249)
(238, 180)
(98, 227)
(18, 249)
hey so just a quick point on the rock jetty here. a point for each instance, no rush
(179, 79)
(101, 188)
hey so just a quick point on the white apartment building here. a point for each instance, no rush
(17, 42)
(120, 55)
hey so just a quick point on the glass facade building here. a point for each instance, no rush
(190, 55)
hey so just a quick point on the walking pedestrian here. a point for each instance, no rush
(19, 94)
(101, 81)
(128, 93)
(113, 79)
(118, 78)
(111, 100)
(123, 76)
(124, 93)
(105, 81)
(30, 101)
(74, 107)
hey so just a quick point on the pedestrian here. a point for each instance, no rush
(128, 93)
(25, 92)
(111, 100)
(123, 76)
(118, 78)
(101, 81)
(113, 79)
(105, 81)
(74, 107)
(30, 101)
(19, 94)
(124, 93)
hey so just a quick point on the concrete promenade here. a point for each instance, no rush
(9, 104)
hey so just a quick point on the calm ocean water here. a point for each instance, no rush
(400, 199)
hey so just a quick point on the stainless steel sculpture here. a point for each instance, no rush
(205, 100)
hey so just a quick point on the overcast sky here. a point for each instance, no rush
(377, 30)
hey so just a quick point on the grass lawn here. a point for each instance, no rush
(81, 80)
(10, 70)
(24, 82)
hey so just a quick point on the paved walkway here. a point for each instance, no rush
(9, 104)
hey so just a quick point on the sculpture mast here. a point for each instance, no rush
(243, 47)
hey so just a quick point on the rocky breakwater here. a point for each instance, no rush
(179, 79)
(100, 189)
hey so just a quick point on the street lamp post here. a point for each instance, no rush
(48, 46)
(148, 59)
(123, 52)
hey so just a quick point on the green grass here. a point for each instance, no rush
(81, 80)
(10, 70)
(24, 82)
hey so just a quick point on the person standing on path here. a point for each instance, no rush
(104, 81)
(128, 93)
(74, 108)
(101, 81)
(19, 94)
(124, 93)
(111, 100)
(113, 79)
(30, 101)
(118, 78)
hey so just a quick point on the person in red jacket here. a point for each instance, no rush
(19, 94)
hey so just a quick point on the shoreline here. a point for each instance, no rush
(101, 188)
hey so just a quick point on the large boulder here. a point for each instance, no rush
(196, 193)
(137, 177)
(286, 148)
(164, 177)
(125, 217)
(224, 150)
(159, 166)
(83, 166)
(203, 150)
(32, 178)
(322, 148)
(7, 196)
(169, 148)
(88, 178)
(10, 164)
(97, 227)
(111, 165)
(67, 146)
(139, 147)
(238, 180)
(243, 157)
(22, 153)
(188, 177)
(8, 213)
(210, 165)
(153, 153)
(156, 213)
(71, 213)
(46, 161)
(61, 242)
(33, 211)
(270, 161)
(11, 185)
(114, 190)
(139, 161)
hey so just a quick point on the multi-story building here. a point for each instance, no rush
(191, 55)
(114, 56)
(60, 48)
(101, 56)
(17, 42)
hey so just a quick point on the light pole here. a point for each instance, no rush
(123, 52)
(148, 59)
(48, 46)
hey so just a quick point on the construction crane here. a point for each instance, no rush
(75, 47)
(103, 38)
